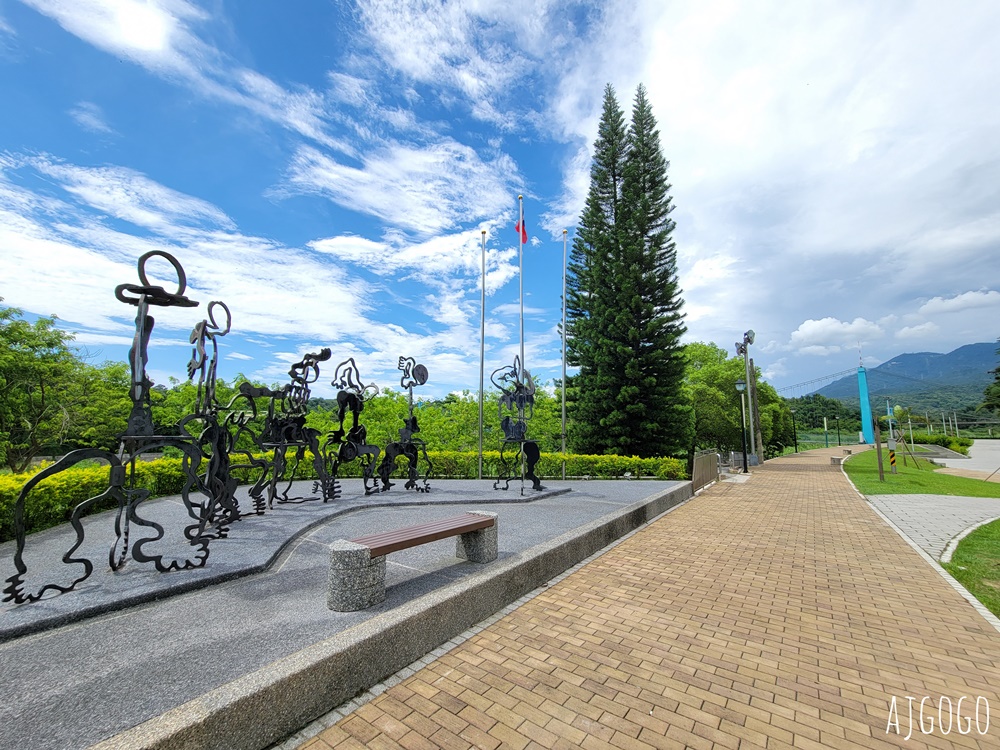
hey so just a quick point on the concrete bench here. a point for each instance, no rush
(847, 451)
(836, 460)
(357, 566)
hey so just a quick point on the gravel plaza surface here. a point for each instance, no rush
(782, 610)
(79, 683)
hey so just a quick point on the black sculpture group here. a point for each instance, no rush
(517, 395)
(209, 442)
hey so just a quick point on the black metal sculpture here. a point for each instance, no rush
(517, 394)
(140, 437)
(408, 445)
(285, 428)
(344, 446)
(214, 438)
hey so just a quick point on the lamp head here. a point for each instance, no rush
(741, 385)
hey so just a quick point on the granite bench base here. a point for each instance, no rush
(357, 580)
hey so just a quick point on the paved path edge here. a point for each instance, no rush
(271, 703)
(991, 618)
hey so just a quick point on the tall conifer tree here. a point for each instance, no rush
(623, 299)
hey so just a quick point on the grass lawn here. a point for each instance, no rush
(911, 480)
(976, 562)
(976, 565)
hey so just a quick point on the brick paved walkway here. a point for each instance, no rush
(782, 612)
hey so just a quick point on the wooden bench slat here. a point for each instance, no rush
(457, 523)
(392, 541)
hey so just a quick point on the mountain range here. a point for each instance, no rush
(925, 381)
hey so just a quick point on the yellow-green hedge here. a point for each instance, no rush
(53, 499)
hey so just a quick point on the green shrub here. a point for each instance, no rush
(957, 444)
(52, 501)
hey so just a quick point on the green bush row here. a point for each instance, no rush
(957, 444)
(52, 500)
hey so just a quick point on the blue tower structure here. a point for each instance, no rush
(867, 431)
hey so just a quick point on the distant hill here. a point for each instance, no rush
(925, 381)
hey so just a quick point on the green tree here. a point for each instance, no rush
(623, 300)
(711, 385)
(587, 306)
(103, 405)
(37, 374)
(991, 396)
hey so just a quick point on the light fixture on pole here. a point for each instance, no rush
(743, 348)
(740, 387)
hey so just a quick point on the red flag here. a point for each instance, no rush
(521, 229)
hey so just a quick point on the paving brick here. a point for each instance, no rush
(777, 613)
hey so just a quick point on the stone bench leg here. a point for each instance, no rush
(356, 580)
(479, 546)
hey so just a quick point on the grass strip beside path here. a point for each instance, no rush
(976, 565)
(976, 561)
(922, 479)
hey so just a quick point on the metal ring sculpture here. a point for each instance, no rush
(346, 445)
(139, 438)
(285, 427)
(408, 445)
(517, 394)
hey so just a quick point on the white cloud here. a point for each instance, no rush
(149, 33)
(90, 117)
(831, 334)
(129, 195)
(425, 190)
(917, 332)
(160, 36)
(961, 302)
(514, 309)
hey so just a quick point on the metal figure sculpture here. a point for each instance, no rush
(408, 445)
(215, 440)
(285, 427)
(344, 446)
(517, 394)
(140, 437)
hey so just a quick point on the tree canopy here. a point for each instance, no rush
(624, 319)
(37, 370)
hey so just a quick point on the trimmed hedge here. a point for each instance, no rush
(957, 444)
(52, 501)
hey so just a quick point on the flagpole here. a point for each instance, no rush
(520, 375)
(520, 253)
(564, 361)
(482, 356)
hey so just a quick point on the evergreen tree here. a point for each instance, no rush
(623, 299)
(594, 247)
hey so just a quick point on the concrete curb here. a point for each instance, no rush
(271, 703)
(952, 545)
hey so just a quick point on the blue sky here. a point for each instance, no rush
(327, 170)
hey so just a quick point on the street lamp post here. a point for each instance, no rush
(740, 387)
(795, 431)
(743, 349)
(838, 429)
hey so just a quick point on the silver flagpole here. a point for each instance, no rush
(520, 375)
(520, 252)
(564, 361)
(482, 357)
